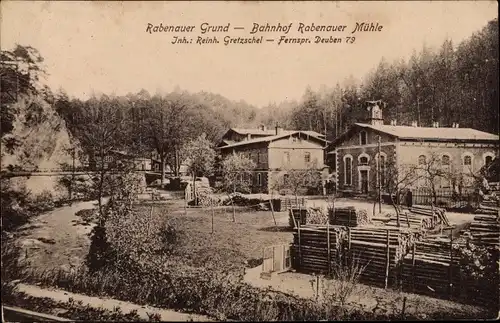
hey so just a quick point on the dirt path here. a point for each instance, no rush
(303, 285)
(56, 239)
(109, 304)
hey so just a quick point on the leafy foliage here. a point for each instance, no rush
(237, 170)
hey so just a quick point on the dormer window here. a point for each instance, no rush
(363, 161)
(362, 138)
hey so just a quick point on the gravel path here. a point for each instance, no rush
(109, 304)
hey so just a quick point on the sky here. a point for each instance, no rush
(103, 47)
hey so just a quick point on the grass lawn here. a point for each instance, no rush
(232, 244)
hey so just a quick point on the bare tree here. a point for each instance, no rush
(100, 125)
(236, 172)
(398, 180)
(201, 158)
(298, 179)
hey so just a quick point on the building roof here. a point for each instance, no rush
(426, 133)
(272, 138)
(272, 132)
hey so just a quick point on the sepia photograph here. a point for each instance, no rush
(249, 161)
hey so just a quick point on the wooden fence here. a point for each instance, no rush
(446, 198)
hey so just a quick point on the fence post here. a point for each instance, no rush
(450, 269)
(300, 249)
(329, 248)
(413, 265)
(387, 259)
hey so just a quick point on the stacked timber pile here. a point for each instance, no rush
(317, 215)
(205, 197)
(416, 222)
(438, 214)
(427, 270)
(485, 230)
(349, 216)
(378, 251)
(317, 248)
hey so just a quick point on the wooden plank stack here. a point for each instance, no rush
(437, 214)
(417, 222)
(485, 230)
(348, 216)
(427, 270)
(316, 248)
(378, 251)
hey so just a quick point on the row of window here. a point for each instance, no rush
(307, 157)
(466, 160)
(249, 177)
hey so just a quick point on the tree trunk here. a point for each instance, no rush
(177, 166)
(232, 205)
(194, 189)
(162, 167)
(394, 204)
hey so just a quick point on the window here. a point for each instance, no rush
(108, 159)
(363, 160)
(362, 138)
(307, 157)
(467, 160)
(259, 179)
(258, 157)
(445, 160)
(445, 165)
(286, 157)
(421, 160)
(348, 171)
(487, 160)
(285, 179)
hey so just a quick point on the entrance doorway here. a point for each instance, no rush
(364, 181)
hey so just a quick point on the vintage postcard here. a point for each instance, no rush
(249, 160)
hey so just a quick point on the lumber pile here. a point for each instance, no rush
(349, 216)
(416, 222)
(431, 268)
(485, 230)
(377, 251)
(317, 215)
(438, 214)
(316, 248)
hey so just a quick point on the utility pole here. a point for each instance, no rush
(379, 181)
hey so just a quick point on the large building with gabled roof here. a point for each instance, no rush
(453, 151)
(275, 152)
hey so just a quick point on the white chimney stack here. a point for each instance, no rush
(394, 122)
(414, 124)
(278, 129)
(262, 127)
(435, 124)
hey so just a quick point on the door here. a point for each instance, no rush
(364, 181)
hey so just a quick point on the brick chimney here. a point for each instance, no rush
(435, 124)
(278, 129)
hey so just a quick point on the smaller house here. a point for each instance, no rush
(275, 154)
